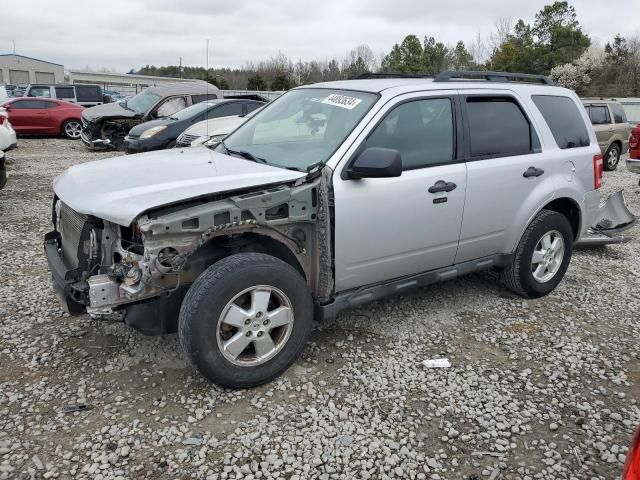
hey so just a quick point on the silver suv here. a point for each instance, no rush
(334, 195)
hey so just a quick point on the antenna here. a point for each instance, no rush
(207, 115)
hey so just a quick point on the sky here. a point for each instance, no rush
(125, 34)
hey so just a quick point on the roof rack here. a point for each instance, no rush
(455, 75)
(370, 75)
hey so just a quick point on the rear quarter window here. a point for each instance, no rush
(564, 120)
(618, 113)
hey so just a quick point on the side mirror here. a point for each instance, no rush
(376, 162)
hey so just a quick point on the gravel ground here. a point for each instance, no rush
(546, 388)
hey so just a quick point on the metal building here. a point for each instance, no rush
(21, 70)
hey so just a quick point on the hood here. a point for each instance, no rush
(122, 188)
(215, 126)
(107, 110)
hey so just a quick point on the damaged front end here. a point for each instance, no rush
(142, 272)
(607, 221)
(105, 134)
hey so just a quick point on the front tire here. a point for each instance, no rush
(245, 320)
(612, 158)
(542, 256)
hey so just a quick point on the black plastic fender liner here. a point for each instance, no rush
(158, 316)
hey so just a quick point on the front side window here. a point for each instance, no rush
(142, 102)
(564, 120)
(599, 115)
(301, 128)
(618, 113)
(497, 127)
(171, 106)
(421, 130)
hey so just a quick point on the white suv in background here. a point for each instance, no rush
(333, 195)
(7, 133)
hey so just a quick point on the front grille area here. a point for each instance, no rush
(71, 224)
(185, 140)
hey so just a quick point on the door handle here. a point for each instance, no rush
(533, 172)
(442, 186)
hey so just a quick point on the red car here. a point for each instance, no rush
(44, 116)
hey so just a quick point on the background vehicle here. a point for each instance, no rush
(4, 93)
(298, 212)
(163, 132)
(3, 170)
(105, 126)
(7, 133)
(612, 129)
(213, 130)
(85, 95)
(44, 116)
(111, 96)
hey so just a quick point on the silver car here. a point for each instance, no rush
(332, 196)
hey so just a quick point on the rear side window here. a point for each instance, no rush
(226, 110)
(599, 115)
(498, 127)
(564, 120)
(65, 92)
(618, 113)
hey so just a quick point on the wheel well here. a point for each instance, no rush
(221, 247)
(569, 209)
(619, 143)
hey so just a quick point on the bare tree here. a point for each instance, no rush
(502, 28)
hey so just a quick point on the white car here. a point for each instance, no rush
(7, 133)
(212, 130)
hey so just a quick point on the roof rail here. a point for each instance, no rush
(462, 75)
(370, 75)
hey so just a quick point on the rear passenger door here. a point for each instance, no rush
(504, 166)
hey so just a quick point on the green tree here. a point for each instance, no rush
(281, 82)
(219, 82)
(406, 57)
(559, 37)
(461, 59)
(434, 56)
(256, 82)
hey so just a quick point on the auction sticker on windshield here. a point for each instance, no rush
(342, 101)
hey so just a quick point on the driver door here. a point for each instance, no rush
(387, 228)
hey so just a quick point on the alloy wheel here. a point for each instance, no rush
(255, 325)
(547, 256)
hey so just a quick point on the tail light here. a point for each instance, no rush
(634, 143)
(632, 467)
(598, 168)
(2, 119)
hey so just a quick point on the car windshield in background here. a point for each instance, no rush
(191, 111)
(142, 101)
(301, 128)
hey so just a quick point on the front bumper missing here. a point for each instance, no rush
(608, 222)
(63, 278)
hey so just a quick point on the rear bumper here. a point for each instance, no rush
(62, 277)
(605, 221)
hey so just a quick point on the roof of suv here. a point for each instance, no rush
(181, 88)
(402, 85)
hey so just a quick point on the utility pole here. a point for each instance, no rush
(14, 47)
(180, 67)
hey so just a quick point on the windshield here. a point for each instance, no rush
(192, 111)
(301, 128)
(142, 101)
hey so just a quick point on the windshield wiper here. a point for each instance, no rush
(243, 154)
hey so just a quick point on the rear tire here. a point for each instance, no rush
(72, 129)
(245, 320)
(542, 256)
(612, 158)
